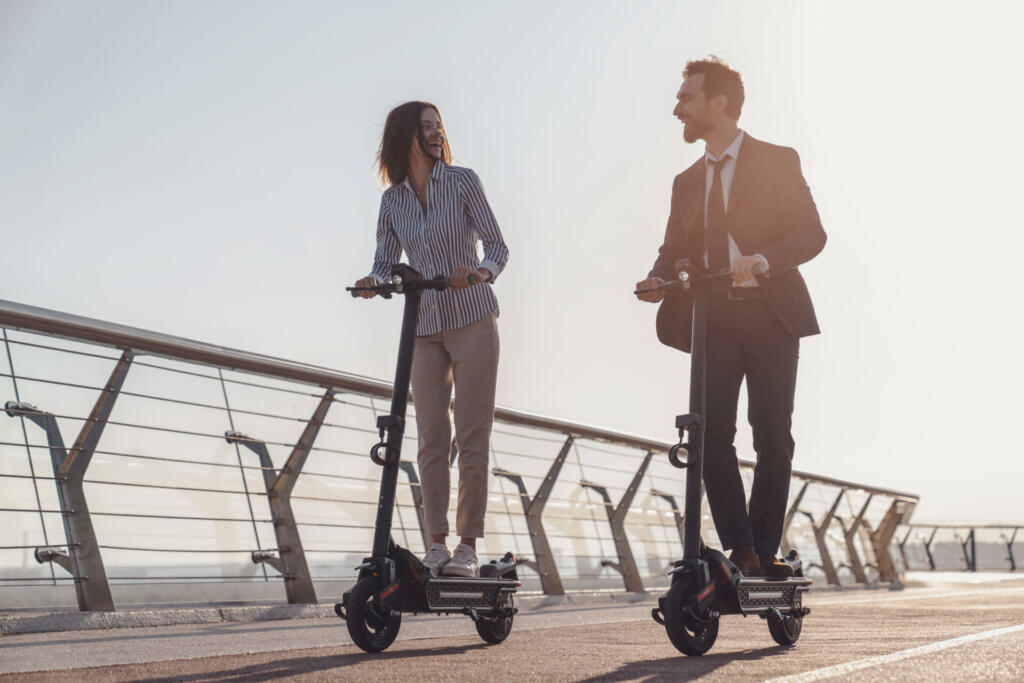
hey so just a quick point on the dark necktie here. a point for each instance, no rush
(718, 237)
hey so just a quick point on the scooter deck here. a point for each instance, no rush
(455, 594)
(763, 595)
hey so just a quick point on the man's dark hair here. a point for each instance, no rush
(719, 79)
(403, 123)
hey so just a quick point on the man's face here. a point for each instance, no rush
(692, 108)
(429, 139)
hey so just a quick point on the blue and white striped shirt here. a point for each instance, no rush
(439, 240)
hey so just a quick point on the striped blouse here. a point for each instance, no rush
(439, 240)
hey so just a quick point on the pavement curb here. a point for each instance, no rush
(85, 621)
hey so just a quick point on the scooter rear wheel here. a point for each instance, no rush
(785, 630)
(496, 631)
(369, 629)
(692, 634)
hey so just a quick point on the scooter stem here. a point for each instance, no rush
(399, 400)
(695, 431)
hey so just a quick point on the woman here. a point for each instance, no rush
(435, 213)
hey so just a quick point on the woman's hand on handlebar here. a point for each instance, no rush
(647, 290)
(463, 277)
(368, 281)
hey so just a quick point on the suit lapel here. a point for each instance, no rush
(746, 162)
(696, 195)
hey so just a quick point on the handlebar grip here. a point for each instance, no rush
(474, 279)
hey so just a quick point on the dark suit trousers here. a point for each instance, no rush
(747, 339)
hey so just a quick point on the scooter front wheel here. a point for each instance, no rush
(371, 630)
(785, 629)
(691, 632)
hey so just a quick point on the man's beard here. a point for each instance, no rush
(695, 130)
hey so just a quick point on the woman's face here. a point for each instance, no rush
(429, 139)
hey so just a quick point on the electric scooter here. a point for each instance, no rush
(705, 584)
(393, 580)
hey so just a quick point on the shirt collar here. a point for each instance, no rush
(435, 173)
(733, 150)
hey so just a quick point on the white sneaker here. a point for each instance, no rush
(436, 558)
(463, 562)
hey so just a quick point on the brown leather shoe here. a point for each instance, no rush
(746, 560)
(774, 568)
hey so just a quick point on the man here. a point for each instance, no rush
(744, 202)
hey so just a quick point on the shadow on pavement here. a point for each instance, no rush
(281, 668)
(683, 668)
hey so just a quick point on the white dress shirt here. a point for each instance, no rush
(732, 151)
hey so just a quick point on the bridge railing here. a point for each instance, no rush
(967, 547)
(140, 466)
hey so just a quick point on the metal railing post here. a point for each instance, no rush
(291, 559)
(1009, 549)
(898, 513)
(903, 548)
(84, 560)
(928, 548)
(543, 561)
(856, 566)
(792, 513)
(617, 518)
(970, 558)
(417, 498)
(974, 554)
(676, 513)
(820, 531)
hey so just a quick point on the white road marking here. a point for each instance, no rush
(850, 667)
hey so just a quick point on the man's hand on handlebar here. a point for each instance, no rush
(463, 277)
(647, 290)
(743, 268)
(368, 281)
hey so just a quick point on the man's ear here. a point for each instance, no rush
(719, 103)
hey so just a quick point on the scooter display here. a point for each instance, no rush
(393, 581)
(705, 584)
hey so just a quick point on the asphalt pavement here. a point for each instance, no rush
(960, 628)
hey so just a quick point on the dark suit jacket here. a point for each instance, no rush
(771, 212)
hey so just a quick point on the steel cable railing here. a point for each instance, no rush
(161, 473)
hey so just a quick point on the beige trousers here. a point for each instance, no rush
(467, 356)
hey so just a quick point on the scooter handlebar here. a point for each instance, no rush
(684, 277)
(387, 289)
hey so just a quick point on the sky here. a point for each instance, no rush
(206, 170)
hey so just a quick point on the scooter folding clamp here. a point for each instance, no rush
(688, 421)
(388, 422)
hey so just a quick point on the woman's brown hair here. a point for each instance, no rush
(402, 124)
